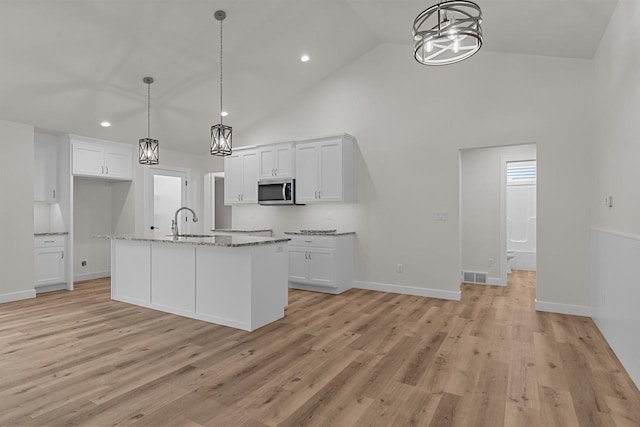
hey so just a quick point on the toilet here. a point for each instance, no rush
(510, 255)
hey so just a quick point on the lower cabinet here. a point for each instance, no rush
(49, 260)
(321, 263)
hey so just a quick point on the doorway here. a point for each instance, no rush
(165, 192)
(485, 212)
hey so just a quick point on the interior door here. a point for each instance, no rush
(167, 192)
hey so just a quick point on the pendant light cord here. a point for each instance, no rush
(220, 71)
(148, 110)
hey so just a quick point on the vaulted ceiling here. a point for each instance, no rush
(66, 65)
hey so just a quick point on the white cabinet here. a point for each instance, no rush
(276, 160)
(45, 172)
(321, 263)
(324, 170)
(241, 177)
(102, 159)
(49, 257)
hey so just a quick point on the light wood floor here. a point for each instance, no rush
(359, 359)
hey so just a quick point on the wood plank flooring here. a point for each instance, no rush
(363, 358)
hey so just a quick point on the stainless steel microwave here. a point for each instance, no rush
(280, 191)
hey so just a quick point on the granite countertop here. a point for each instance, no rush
(53, 233)
(205, 240)
(319, 233)
(230, 230)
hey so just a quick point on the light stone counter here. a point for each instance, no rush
(233, 241)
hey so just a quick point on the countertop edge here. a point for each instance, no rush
(199, 242)
(300, 233)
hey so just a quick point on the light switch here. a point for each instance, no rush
(441, 216)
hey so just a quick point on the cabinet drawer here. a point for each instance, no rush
(48, 241)
(313, 241)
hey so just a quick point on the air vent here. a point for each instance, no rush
(474, 277)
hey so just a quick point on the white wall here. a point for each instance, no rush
(16, 207)
(616, 232)
(410, 121)
(480, 172)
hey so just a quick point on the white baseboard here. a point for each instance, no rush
(408, 290)
(91, 276)
(495, 281)
(17, 296)
(554, 307)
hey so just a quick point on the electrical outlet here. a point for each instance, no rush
(84, 263)
(608, 201)
(400, 268)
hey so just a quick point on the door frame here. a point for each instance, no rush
(148, 195)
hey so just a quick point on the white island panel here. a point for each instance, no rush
(131, 272)
(269, 269)
(173, 274)
(223, 285)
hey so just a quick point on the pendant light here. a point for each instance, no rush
(149, 149)
(221, 134)
(447, 33)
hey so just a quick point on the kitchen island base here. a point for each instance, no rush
(242, 287)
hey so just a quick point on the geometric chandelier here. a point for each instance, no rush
(447, 33)
(149, 149)
(221, 134)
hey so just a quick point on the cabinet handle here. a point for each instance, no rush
(309, 254)
(102, 169)
(315, 195)
(306, 255)
(62, 255)
(319, 195)
(275, 172)
(238, 197)
(49, 241)
(107, 169)
(54, 194)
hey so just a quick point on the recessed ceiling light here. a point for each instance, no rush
(224, 113)
(105, 124)
(304, 58)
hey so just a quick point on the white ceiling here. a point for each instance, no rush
(66, 65)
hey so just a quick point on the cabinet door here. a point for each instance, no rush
(284, 160)
(88, 159)
(232, 179)
(45, 176)
(49, 266)
(322, 267)
(250, 177)
(117, 162)
(266, 162)
(298, 264)
(306, 173)
(330, 171)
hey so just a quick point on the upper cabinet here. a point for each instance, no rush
(324, 170)
(276, 160)
(102, 159)
(241, 177)
(45, 171)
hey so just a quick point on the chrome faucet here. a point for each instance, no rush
(174, 221)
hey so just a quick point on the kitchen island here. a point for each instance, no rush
(236, 281)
